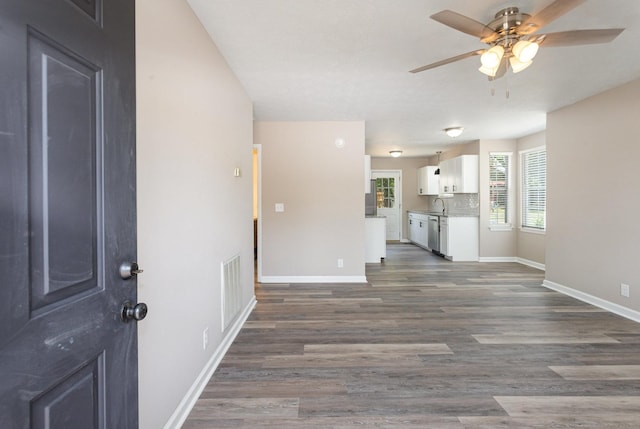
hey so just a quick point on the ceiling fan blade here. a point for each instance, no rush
(466, 25)
(447, 61)
(546, 15)
(580, 37)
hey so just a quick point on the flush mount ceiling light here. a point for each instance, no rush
(453, 131)
(511, 40)
(395, 153)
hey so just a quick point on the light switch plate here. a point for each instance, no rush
(279, 207)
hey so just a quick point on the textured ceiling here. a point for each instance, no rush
(349, 60)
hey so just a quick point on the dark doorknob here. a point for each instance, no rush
(133, 312)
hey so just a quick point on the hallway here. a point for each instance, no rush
(426, 343)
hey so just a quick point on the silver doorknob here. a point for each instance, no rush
(133, 312)
(129, 269)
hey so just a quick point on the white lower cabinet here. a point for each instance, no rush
(444, 235)
(418, 232)
(459, 238)
(375, 241)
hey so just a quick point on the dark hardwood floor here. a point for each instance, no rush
(427, 343)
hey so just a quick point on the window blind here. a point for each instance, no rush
(499, 164)
(534, 189)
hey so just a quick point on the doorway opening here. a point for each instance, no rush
(257, 224)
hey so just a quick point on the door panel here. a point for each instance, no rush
(67, 214)
(389, 200)
(63, 164)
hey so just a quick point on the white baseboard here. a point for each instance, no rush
(313, 279)
(532, 264)
(498, 259)
(405, 240)
(522, 261)
(181, 413)
(594, 300)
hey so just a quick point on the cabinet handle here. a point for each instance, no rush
(454, 188)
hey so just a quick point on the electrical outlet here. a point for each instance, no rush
(340, 263)
(205, 338)
(624, 290)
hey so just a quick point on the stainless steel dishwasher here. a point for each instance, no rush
(434, 234)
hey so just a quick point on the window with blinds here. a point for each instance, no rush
(534, 189)
(499, 173)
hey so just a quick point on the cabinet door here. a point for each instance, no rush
(468, 176)
(444, 236)
(425, 232)
(432, 181)
(411, 235)
(422, 231)
(456, 175)
(422, 180)
(444, 177)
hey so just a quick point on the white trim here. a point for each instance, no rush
(501, 227)
(498, 259)
(521, 154)
(594, 300)
(181, 413)
(529, 230)
(405, 240)
(314, 279)
(511, 197)
(532, 264)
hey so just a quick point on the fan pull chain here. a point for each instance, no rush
(506, 82)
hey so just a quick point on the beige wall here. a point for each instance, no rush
(194, 126)
(321, 187)
(593, 195)
(470, 148)
(530, 246)
(410, 198)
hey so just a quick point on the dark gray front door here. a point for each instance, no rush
(67, 214)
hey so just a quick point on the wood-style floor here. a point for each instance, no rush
(427, 343)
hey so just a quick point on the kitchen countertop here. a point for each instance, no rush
(447, 214)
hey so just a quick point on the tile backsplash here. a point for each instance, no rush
(462, 204)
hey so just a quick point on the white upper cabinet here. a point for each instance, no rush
(428, 182)
(459, 175)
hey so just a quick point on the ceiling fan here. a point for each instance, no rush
(511, 37)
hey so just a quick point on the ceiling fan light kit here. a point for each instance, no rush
(492, 57)
(510, 37)
(517, 66)
(525, 50)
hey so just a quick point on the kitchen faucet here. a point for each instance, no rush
(444, 207)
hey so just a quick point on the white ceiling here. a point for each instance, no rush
(317, 60)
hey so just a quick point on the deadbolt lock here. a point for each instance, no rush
(129, 270)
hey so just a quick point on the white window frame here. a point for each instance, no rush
(508, 225)
(525, 228)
